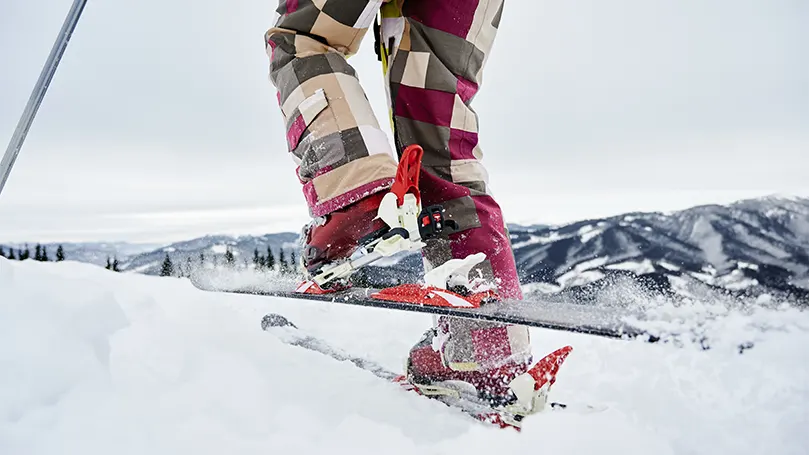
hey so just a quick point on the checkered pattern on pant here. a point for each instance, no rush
(332, 133)
(437, 49)
(434, 72)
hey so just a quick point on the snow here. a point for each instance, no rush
(97, 362)
(638, 267)
(588, 232)
(553, 236)
(668, 265)
(542, 288)
(736, 280)
(581, 273)
(709, 240)
(591, 264)
(219, 249)
(764, 243)
(680, 284)
(143, 267)
(577, 278)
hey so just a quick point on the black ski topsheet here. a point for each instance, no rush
(584, 319)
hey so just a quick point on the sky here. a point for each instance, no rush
(161, 123)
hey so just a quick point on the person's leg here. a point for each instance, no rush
(332, 132)
(436, 50)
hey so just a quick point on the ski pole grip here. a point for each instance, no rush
(407, 174)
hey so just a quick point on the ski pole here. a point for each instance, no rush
(38, 93)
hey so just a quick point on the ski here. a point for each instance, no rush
(583, 319)
(289, 333)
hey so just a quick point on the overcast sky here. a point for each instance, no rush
(161, 122)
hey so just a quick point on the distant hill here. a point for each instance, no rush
(754, 247)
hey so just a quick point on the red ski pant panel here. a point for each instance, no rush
(332, 133)
(435, 54)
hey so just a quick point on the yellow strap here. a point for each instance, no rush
(389, 9)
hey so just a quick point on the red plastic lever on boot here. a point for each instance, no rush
(407, 174)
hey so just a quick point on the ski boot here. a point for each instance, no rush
(333, 237)
(504, 395)
(379, 226)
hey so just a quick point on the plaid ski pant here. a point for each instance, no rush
(433, 53)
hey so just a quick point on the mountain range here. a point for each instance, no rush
(756, 248)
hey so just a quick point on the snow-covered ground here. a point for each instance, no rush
(96, 362)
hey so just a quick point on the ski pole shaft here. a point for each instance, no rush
(38, 93)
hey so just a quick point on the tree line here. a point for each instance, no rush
(40, 253)
(261, 262)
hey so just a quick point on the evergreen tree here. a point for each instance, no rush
(201, 259)
(167, 269)
(60, 254)
(270, 259)
(115, 265)
(282, 262)
(256, 259)
(109, 264)
(44, 256)
(188, 265)
(38, 253)
(229, 258)
(11, 254)
(293, 264)
(2, 252)
(25, 254)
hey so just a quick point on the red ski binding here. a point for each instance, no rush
(433, 296)
(310, 287)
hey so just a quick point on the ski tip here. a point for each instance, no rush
(545, 371)
(275, 320)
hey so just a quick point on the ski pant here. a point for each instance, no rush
(433, 53)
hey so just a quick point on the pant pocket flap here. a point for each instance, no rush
(303, 116)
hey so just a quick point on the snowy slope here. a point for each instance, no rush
(95, 362)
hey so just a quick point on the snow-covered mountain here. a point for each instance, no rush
(209, 251)
(752, 247)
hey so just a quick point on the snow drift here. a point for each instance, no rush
(96, 362)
